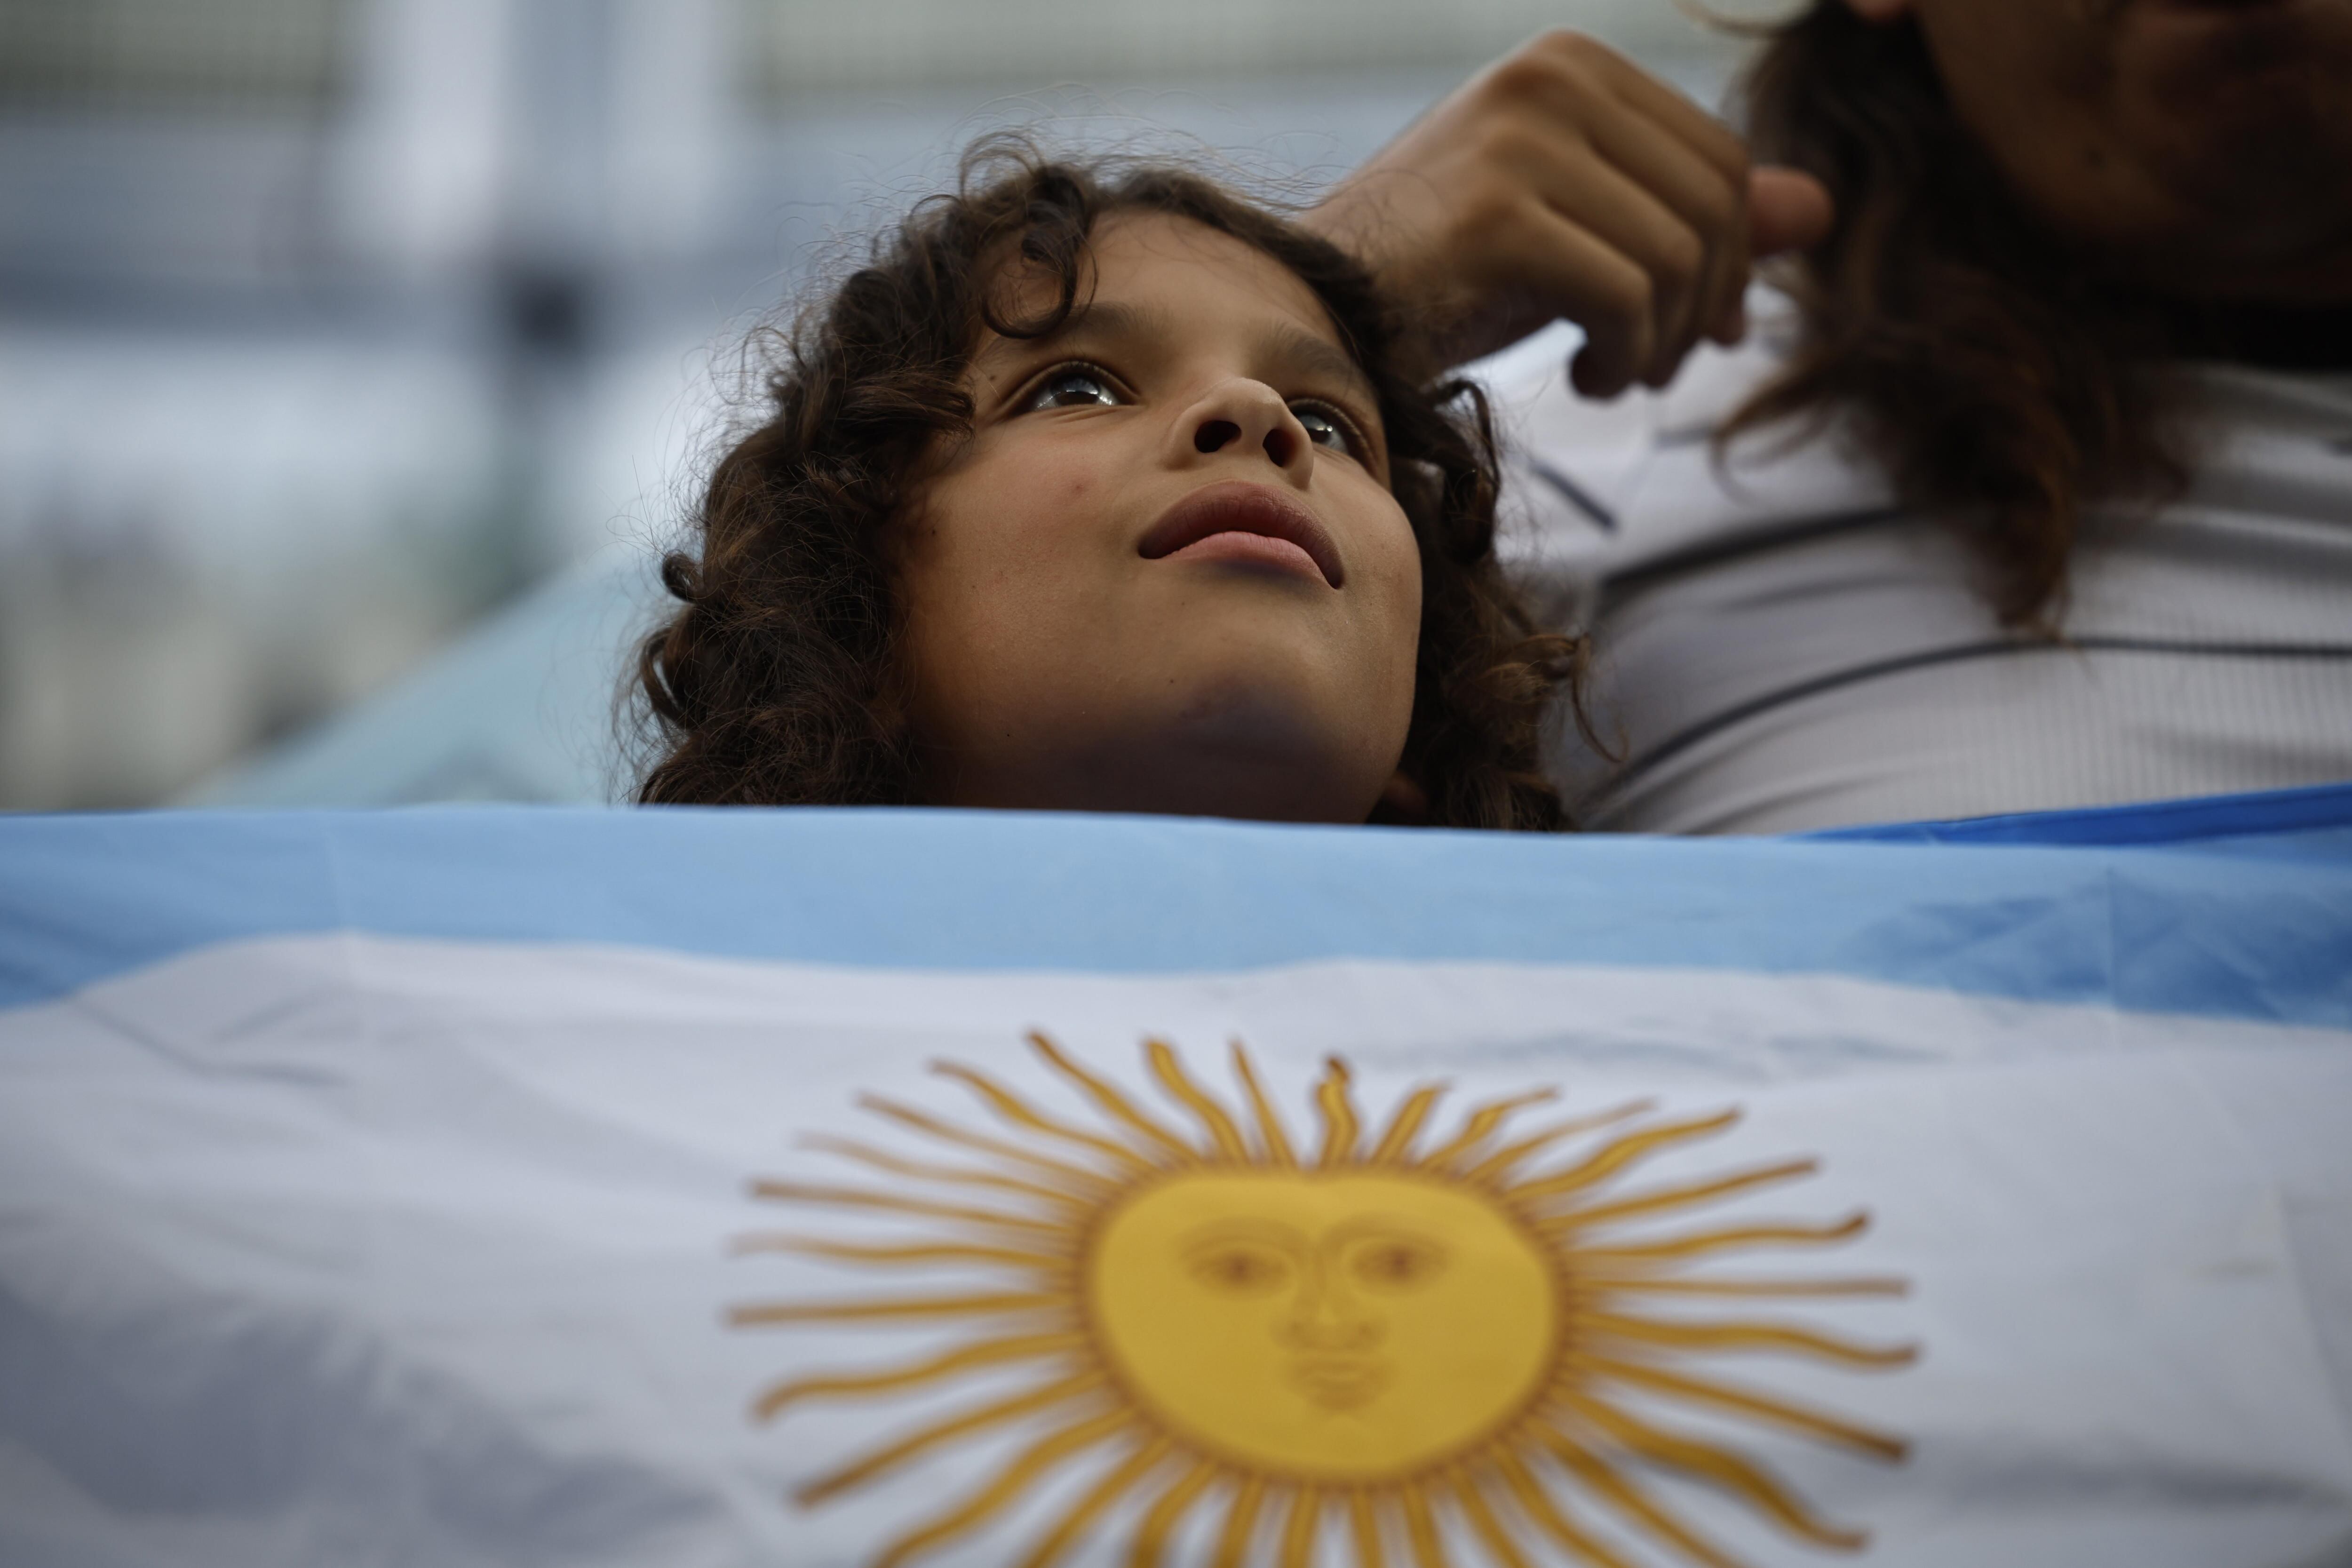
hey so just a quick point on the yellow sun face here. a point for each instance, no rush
(1435, 1354)
(1327, 1328)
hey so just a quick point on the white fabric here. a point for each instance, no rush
(344, 1250)
(1779, 649)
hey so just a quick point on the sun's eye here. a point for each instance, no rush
(1073, 386)
(1397, 1263)
(1239, 1268)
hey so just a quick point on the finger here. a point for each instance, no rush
(1673, 110)
(1731, 326)
(1668, 144)
(1591, 195)
(1579, 275)
(1788, 209)
(1714, 208)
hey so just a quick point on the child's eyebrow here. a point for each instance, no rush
(1292, 347)
(1303, 352)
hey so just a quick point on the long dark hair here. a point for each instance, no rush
(775, 681)
(2002, 384)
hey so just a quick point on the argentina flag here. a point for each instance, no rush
(843, 1188)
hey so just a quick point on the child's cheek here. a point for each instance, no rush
(1058, 483)
(1404, 550)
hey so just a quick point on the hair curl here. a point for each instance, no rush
(776, 680)
(2001, 381)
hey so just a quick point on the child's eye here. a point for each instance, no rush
(1325, 427)
(1075, 387)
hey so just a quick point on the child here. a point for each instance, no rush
(1103, 489)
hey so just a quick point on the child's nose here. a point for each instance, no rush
(1243, 416)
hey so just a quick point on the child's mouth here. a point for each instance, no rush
(1247, 524)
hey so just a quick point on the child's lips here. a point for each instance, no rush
(1247, 523)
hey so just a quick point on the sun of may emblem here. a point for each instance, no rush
(1428, 1347)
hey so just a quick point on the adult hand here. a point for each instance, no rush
(1563, 180)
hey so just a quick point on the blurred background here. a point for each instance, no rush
(357, 356)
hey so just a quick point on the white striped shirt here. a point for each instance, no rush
(1778, 647)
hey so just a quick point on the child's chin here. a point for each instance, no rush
(1278, 749)
(1254, 681)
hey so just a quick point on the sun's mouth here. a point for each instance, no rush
(1340, 1381)
(1253, 524)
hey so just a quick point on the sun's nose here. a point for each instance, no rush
(1328, 1320)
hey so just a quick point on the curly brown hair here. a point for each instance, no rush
(776, 680)
(2003, 384)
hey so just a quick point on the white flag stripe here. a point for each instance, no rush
(345, 1247)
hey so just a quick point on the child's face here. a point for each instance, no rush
(1166, 573)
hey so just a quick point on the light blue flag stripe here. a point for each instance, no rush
(2311, 823)
(2245, 936)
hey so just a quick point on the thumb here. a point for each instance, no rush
(1788, 209)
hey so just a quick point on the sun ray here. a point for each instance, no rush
(948, 1132)
(1699, 1244)
(1485, 1524)
(1602, 1478)
(1113, 1104)
(1127, 1282)
(1020, 1113)
(1395, 1144)
(1161, 1522)
(1545, 1510)
(925, 1171)
(1002, 1492)
(913, 1254)
(1241, 1523)
(1336, 1107)
(980, 1304)
(890, 1457)
(1277, 1151)
(1642, 1284)
(1301, 1529)
(1696, 1389)
(1231, 1149)
(1480, 1125)
(857, 1197)
(1364, 1529)
(1663, 1198)
(1116, 1484)
(1498, 1165)
(1619, 1152)
(1720, 1466)
(1737, 1335)
(1421, 1527)
(963, 1358)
